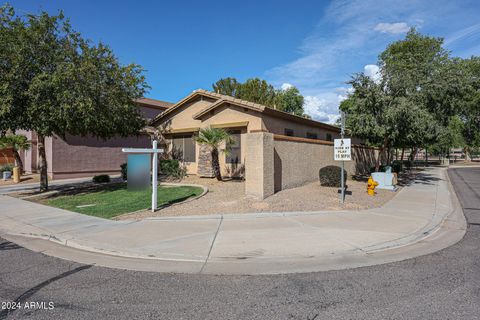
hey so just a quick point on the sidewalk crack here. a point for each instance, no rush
(211, 246)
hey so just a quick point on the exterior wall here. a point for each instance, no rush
(87, 156)
(183, 117)
(259, 177)
(299, 162)
(278, 126)
(294, 162)
(6, 156)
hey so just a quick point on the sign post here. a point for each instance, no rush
(155, 153)
(342, 152)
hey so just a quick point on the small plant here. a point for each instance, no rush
(102, 178)
(6, 167)
(123, 170)
(172, 168)
(330, 176)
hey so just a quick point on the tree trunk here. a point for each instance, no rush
(468, 157)
(377, 161)
(403, 152)
(42, 160)
(18, 160)
(216, 164)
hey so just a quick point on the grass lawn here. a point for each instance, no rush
(113, 200)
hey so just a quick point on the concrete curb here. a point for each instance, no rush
(446, 227)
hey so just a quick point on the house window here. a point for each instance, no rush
(235, 153)
(289, 132)
(184, 148)
(311, 135)
(329, 137)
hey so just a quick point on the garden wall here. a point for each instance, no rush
(296, 161)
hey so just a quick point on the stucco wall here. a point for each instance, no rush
(87, 156)
(299, 162)
(296, 161)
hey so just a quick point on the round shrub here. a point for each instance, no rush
(330, 176)
(123, 169)
(103, 178)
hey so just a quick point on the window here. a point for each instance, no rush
(311, 135)
(289, 132)
(184, 148)
(329, 137)
(235, 153)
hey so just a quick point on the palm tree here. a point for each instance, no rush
(17, 142)
(213, 138)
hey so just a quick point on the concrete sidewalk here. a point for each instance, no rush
(422, 218)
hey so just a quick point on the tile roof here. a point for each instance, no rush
(154, 103)
(222, 99)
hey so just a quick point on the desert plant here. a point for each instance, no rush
(213, 138)
(123, 170)
(330, 176)
(17, 142)
(172, 168)
(102, 178)
(6, 167)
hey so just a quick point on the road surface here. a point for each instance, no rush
(442, 285)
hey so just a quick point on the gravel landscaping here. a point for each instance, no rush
(229, 197)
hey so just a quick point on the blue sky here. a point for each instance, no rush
(314, 45)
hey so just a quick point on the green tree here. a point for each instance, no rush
(55, 82)
(214, 138)
(260, 91)
(402, 108)
(227, 86)
(18, 143)
(290, 100)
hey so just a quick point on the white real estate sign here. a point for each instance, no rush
(342, 150)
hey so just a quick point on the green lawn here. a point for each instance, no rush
(114, 200)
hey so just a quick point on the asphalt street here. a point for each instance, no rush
(442, 285)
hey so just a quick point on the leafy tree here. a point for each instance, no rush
(290, 100)
(17, 142)
(402, 108)
(213, 138)
(55, 82)
(261, 92)
(227, 86)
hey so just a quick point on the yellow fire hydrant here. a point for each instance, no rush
(371, 184)
(16, 174)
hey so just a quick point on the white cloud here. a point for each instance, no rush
(286, 86)
(372, 71)
(324, 105)
(394, 28)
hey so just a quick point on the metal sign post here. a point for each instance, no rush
(342, 152)
(155, 153)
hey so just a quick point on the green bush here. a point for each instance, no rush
(330, 176)
(123, 169)
(6, 167)
(397, 166)
(172, 168)
(102, 178)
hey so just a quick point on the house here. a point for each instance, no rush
(75, 156)
(202, 109)
(273, 150)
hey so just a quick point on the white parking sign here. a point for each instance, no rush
(342, 150)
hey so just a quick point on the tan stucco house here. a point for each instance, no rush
(75, 156)
(201, 109)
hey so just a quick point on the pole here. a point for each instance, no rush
(343, 162)
(154, 175)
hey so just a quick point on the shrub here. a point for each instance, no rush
(397, 166)
(123, 169)
(330, 176)
(6, 167)
(101, 178)
(172, 168)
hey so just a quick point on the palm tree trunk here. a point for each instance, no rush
(18, 160)
(42, 159)
(216, 164)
